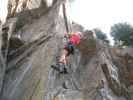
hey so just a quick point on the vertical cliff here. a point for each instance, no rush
(31, 41)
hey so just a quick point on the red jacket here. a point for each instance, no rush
(73, 38)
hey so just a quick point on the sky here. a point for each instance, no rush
(101, 13)
(3, 10)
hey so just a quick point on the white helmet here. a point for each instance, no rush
(80, 34)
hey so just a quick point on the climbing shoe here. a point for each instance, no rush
(60, 67)
(63, 68)
(55, 67)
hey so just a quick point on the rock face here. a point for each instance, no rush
(31, 43)
(16, 6)
(27, 65)
(123, 59)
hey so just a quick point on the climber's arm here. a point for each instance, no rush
(68, 35)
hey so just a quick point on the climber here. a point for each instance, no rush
(73, 40)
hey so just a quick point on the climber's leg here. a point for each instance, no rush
(61, 64)
(68, 49)
(63, 56)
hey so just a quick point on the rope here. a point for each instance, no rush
(67, 25)
(65, 17)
